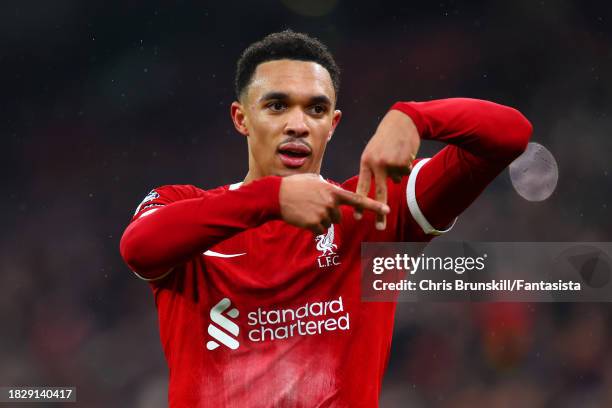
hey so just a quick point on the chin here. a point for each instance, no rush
(290, 172)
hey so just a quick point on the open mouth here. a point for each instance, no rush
(293, 155)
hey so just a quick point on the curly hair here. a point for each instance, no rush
(284, 45)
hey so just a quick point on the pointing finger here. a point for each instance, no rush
(363, 187)
(380, 178)
(360, 202)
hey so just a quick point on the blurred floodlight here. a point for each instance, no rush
(534, 174)
(311, 8)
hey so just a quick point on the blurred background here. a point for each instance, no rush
(101, 103)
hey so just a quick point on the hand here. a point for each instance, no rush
(307, 201)
(389, 153)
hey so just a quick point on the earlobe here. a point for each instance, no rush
(239, 118)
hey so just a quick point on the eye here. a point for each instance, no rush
(276, 106)
(318, 109)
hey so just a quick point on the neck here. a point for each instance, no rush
(251, 176)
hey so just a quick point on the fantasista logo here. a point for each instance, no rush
(307, 320)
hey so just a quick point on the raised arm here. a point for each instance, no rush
(483, 137)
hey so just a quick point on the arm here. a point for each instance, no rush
(162, 237)
(483, 139)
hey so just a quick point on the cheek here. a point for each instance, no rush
(318, 151)
(262, 138)
(322, 133)
(265, 127)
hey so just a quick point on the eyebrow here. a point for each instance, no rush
(281, 96)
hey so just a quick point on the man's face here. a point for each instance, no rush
(287, 113)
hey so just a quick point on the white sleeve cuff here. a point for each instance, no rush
(413, 206)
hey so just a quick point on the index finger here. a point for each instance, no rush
(380, 179)
(363, 186)
(360, 202)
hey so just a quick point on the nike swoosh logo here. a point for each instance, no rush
(218, 255)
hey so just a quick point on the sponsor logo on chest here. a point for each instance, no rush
(327, 247)
(219, 321)
(270, 324)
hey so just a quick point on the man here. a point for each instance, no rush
(255, 311)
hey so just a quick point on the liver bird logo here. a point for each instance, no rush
(325, 242)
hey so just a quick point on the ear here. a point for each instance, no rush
(335, 120)
(239, 118)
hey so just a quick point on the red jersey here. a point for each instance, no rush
(254, 312)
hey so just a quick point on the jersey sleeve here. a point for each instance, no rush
(482, 139)
(157, 198)
(175, 223)
(164, 195)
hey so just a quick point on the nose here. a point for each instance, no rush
(296, 124)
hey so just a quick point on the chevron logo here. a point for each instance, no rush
(223, 330)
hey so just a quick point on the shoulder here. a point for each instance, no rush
(174, 192)
(166, 194)
(177, 192)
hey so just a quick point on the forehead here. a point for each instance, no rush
(296, 78)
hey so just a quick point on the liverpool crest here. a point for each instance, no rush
(327, 247)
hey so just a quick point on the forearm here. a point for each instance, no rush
(483, 138)
(153, 244)
(483, 128)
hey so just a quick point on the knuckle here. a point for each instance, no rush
(365, 159)
(381, 161)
